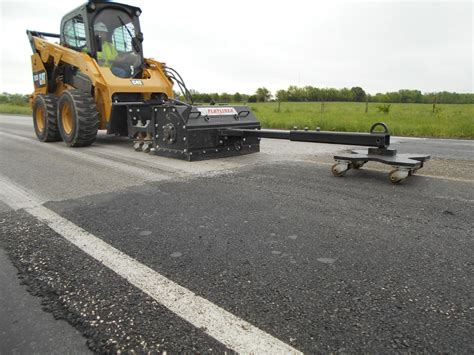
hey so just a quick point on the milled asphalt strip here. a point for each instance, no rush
(108, 152)
(128, 169)
(223, 326)
(146, 174)
(122, 155)
(16, 121)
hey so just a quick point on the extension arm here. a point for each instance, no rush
(372, 139)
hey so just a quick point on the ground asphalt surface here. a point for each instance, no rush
(324, 264)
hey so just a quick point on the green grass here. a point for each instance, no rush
(15, 109)
(449, 121)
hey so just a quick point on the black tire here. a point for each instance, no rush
(78, 119)
(45, 119)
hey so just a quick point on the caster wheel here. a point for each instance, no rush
(146, 147)
(138, 146)
(397, 176)
(339, 169)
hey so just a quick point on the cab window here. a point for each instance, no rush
(118, 50)
(75, 33)
(122, 39)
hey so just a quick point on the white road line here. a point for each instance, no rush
(16, 197)
(438, 139)
(459, 199)
(448, 178)
(223, 326)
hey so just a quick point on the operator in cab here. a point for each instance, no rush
(108, 56)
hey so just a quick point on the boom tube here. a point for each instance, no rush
(374, 139)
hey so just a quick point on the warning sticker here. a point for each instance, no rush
(39, 78)
(217, 111)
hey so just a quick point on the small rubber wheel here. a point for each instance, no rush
(44, 118)
(78, 119)
(392, 177)
(337, 172)
(397, 176)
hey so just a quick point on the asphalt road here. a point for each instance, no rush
(269, 245)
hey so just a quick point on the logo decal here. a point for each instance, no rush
(136, 82)
(217, 111)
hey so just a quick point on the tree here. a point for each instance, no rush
(214, 97)
(263, 94)
(237, 97)
(252, 98)
(206, 98)
(282, 95)
(410, 96)
(332, 94)
(358, 94)
(296, 94)
(345, 94)
(225, 97)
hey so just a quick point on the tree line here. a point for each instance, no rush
(14, 99)
(307, 94)
(354, 94)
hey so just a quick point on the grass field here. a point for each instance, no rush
(15, 109)
(453, 121)
(449, 121)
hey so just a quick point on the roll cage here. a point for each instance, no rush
(77, 27)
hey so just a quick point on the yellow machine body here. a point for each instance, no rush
(105, 83)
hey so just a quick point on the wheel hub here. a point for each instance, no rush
(39, 118)
(67, 118)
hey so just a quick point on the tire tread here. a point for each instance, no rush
(87, 118)
(50, 102)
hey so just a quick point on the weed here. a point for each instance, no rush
(385, 108)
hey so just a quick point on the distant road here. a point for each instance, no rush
(265, 253)
(456, 149)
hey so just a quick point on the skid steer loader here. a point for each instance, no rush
(96, 77)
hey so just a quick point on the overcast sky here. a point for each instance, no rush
(240, 45)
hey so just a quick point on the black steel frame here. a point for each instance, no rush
(374, 139)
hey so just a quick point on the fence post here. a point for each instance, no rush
(434, 103)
